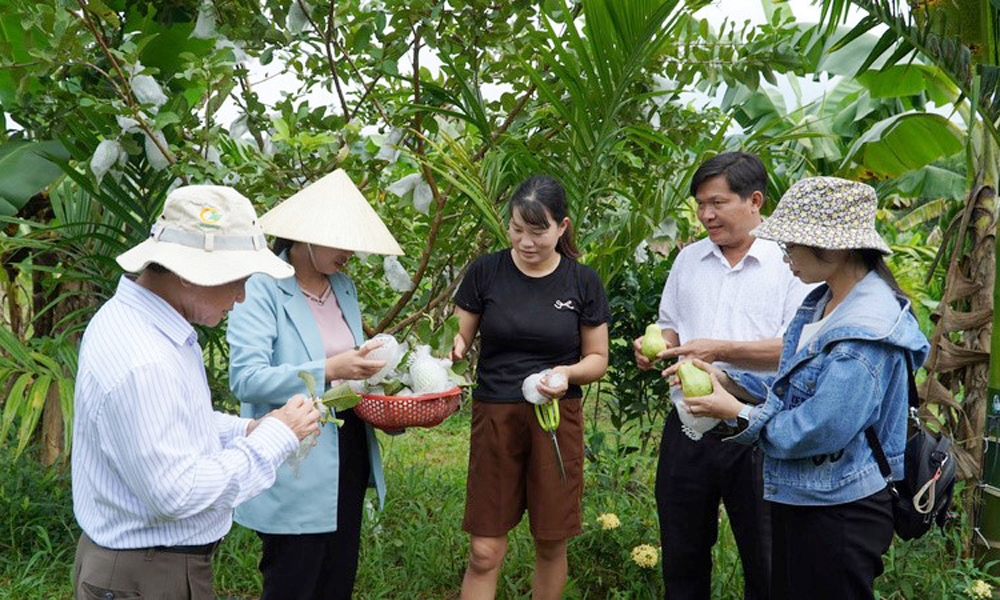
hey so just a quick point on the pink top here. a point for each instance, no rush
(337, 336)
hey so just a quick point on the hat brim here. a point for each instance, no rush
(204, 268)
(817, 235)
(331, 212)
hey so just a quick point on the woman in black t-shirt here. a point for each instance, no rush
(534, 308)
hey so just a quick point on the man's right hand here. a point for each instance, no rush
(300, 414)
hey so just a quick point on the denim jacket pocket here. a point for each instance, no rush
(802, 384)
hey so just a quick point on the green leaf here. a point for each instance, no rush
(164, 118)
(27, 170)
(340, 397)
(905, 142)
(310, 382)
(895, 81)
(32, 411)
(14, 403)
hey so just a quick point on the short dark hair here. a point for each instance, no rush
(743, 171)
(540, 196)
(280, 245)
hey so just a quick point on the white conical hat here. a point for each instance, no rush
(331, 212)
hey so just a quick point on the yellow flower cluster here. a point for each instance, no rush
(609, 521)
(645, 556)
(979, 590)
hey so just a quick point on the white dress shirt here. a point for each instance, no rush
(753, 300)
(153, 464)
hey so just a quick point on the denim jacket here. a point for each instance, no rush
(851, 375)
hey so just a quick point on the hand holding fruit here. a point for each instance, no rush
(353, 364)
(649, 347)
(300, 415)
(554, 383)
(704, 389)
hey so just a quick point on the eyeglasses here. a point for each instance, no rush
(786, 249)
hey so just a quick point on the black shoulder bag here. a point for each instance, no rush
(923, 496)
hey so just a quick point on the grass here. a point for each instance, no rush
(415, 547)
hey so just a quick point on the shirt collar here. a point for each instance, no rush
(158, 311)
(757, 253)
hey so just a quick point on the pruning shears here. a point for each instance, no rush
(548, 418)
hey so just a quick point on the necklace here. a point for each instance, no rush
(319, 300)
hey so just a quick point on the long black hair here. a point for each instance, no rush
(873, 260)
(538, 197)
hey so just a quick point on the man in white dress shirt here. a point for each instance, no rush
(727, 300)
(156, 471)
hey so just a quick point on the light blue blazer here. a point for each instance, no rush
(272, 336)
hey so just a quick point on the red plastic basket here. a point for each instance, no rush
(396, 412)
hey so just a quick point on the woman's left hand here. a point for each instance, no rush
(561, 383)
(720, 404)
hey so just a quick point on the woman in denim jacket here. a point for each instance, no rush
(844, 367)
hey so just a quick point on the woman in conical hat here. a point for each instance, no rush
(310, 520)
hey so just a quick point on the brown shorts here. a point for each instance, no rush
(512, 467)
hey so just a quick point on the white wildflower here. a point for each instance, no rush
(645, 556)
(609, 521)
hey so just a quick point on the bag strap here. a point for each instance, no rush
(872, 437)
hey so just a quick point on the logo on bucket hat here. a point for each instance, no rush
(210, 217)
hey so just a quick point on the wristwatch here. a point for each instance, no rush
(743, 418)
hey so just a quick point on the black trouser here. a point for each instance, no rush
(830, 552)
(691, 478)
(323, 566)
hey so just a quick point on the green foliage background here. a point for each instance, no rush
(471, 96)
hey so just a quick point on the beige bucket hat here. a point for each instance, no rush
(825, 212)
(331, 212)
(208, 235)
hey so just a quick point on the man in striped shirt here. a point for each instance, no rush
(156, 471)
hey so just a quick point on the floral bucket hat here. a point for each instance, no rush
(208, 235)
(825, 212)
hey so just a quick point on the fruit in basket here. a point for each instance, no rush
(653, 342)
(390, 351)
(694, 380)
(428, 375)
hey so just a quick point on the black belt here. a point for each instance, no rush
(203, 549)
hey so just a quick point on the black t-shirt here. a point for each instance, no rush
(527, 324)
